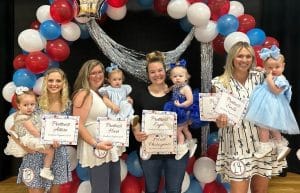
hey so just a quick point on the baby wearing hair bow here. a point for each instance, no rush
(116, 98)
(181, 103)
(269, 107)
(27, 128)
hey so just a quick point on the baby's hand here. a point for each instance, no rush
(129, 99)
(269, 76)
(177, 103)
(116, 109)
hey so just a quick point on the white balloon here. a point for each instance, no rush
(124, 170)
(186, 182)
(236, 8)
(198, 14)
(177, 9)
(72, 155)
(31, 40)
(9, 122)
(43, 13)
(233, 38)
(8, 91)
(116, 13)
(205, 170)
(206, 33)
(84, 187)
(37, 88)
(70, 31)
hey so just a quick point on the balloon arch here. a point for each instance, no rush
(216, 24)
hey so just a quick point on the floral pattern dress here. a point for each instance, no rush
(32, 164)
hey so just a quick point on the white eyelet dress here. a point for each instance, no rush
(85, 152)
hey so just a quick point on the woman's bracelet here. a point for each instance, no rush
(95, 145)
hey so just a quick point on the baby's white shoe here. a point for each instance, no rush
(182, 149)
(47, 174)
(144, 155)
(114, 154)
(263, 149)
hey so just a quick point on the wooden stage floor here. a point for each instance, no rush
(288, 184)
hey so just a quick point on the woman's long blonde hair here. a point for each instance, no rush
(233, 52)
(82, 82)
(43, 100)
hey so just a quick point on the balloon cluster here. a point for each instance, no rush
(221, 22)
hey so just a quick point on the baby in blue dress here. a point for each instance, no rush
(181, 103)
(269, 106)
(115, 97)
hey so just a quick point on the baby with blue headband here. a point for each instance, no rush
(269, 107)
(116, 98)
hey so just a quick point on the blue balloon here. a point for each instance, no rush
(103, 8)
(23, 77)
(51, 1)
(12, 110)
(83, 173)
(53, 64)
(185, 24)
(212, 138)
(256, 36)
(145, 3)
(133, 164)
(227, 24)
(194, 186)
(50, 29)
(226, 186)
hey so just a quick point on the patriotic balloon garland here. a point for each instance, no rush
(219, 22)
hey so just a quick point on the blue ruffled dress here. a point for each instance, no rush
(273, 111)
(188, 114)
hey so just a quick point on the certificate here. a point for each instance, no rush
(231, 106)
(60, 128)
(207, 106)
(115, 131)
(161, 128)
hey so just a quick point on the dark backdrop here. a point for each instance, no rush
(144, 30)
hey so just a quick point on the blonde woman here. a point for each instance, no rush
(54, 99)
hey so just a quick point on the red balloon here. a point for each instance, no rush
(190, 165)
(130, 185)
(269, 42)
(14, 101)
(211, 187)
(246, 22)
(70, 187)
(160, 6)
(37, 62)
(35, 25)
(116, 3)
(218, 8)
(19, 61)
(212, 151)
(218, 45)
(58, 50)
(259, 61)
(61, 11)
